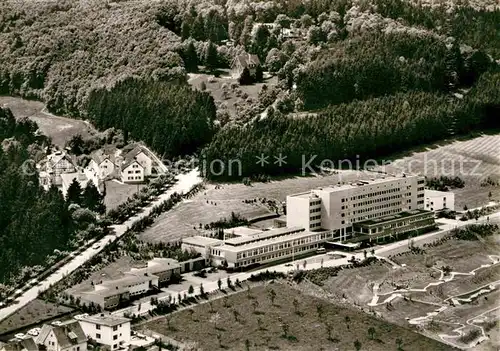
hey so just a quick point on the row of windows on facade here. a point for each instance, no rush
(376, 215)
(277, 247)
(315, 202)
(136, 172)
(376, 193)
(374, 208)
(115, 328)
(364, 203)
(314, 210)
(134, 178)
(278, 254)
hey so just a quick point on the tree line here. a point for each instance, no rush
(33, 222)
(358, 130)
(172, 119)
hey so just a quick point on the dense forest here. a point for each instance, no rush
(33, 222)
(358, 130)
(358, 65)
(172, 119)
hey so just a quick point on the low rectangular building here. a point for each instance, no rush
(394, 225)
(201, 244)
(439, 200)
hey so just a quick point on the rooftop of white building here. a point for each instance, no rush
(262, 235)
(104, 319)
(201, 240)
(341, 186)
(268, 241)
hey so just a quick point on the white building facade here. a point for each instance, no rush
(339, 207)
(439, 200)
(108, 330)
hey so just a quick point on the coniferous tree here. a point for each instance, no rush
(245, 77)
(74, 193)
(211, 56)
(191, 58)
(92, 199)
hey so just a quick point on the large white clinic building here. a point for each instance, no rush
(363, 210)
(340, 206)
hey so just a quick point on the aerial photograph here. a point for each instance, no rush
(249, 175)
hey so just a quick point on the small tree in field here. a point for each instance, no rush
(219, 284)
(247, 345)
(219, 339)
(245, 77)
(319, 310)
(202, 290)
(191, 313)
(296, 306)
(190, 290)
(215, 319)
(399, 344)
(272, 295)
(255, 304)
(357, 345)
(347, 320)
(285, 328)
(371, 333)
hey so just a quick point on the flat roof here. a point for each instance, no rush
(270, 241)
(429, 192)
(393, 217)
(156, 265)
(201, 240)
(355, 184)
(262, 235)
(105, 319)
(242, 231)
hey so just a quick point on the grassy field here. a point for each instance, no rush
(117, 193)
(60, 129)
(418, 271)
(472, 160)
(259, 324)
(34, 312)
(232, 100)
(219, 201)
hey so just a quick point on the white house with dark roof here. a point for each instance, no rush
(107, 330)
(243, 61)
(133, 172)
(139, 164)
(68, 336)
(104, 163)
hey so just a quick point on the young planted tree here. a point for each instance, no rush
(255, 304)
(285, 328)
(296, 306)
(191, 313)
(371, 333)
(215, 319)
(202, 290)
(219, 339)
(357, 345)
(74, 193)
(190, 290)
(219, 284)
(247, 345)
(320, 310)
(236, 315)
(347, 321)
(399, 344)
(272, 295)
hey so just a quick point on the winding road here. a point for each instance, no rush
(185, 182)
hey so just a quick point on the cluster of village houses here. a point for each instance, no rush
(104, 330)
(60, 168)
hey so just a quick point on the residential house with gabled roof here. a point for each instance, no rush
(68, 336)
(26, 344)
(243, 61)
(103, 163)
(53, 166)
(139, 164)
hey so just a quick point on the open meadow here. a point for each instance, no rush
(219, 200)
(34, 312)
(472, 160)
(292, 321)
(437, 288)
(59, 129)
